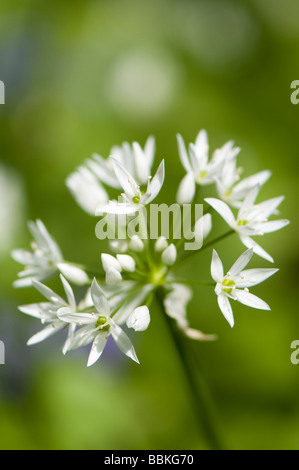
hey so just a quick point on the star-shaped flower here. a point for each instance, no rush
(235, 284)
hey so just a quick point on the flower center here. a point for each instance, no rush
(229, 284)
(101, 322)
(242, 222)
(136, 199)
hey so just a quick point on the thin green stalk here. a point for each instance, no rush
(202, 403)
(204, 247)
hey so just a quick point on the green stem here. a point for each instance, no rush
(204, 247)
(202, 403)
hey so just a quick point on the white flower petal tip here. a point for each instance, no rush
(140, 319)
(108, 261)
(161, 244)
(73, 273)
(136, 244)
(169, 255)
(127, 263)
(198, 335)
(113, 276)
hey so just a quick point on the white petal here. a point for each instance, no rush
(273, 226)
(183, 154)
(73, 273)
(126, 180)
(223, 210)
(155, 185)
(258, 250)
(217, 272)
(99, 299)
(103, 169)
(48, 293)
(123, 342)
(241, 262)
(250, 300)
(67, 315)
(169, 255)
(86, 190)
(45, 333)
(252, 277)
(127, 263)
(69, 292)
(140, 319)
(34, 310)
(117, 208)
(97, 348)
(136, 244)
(186, 189)
(226, 309)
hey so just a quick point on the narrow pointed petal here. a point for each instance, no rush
(97, 348)
(67, 315)
(250, 300)
(45, 333)
(186, 191)
(273, 226)
(69, 292)
(183, 154)
(48, 293)
(217, 272)
(258, 250)
(252, 277)
(123, 342)
(99, 299)
(155, 185)
(223, 210)
(126, 180)
(226, 309)
(241, 262)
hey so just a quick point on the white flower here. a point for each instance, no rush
(175, 304)
(233, 191)
(86, 190)
(252, 219)
(200, 170)
(47, 312)
(97, 327)
(136, 160)
(133, 198)
(140, 319)
(234, 285)
(45, 259)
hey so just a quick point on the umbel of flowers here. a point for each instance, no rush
(120, 297)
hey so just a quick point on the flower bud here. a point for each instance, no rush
(127, 262)
(169, 255)
(139, 319)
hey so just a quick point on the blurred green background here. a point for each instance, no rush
(81, 77)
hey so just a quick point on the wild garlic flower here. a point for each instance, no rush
(200, 170)
(47, 312)
(136, 160)
(236, 282)
(142, 267)
(133, 197)
(252, 219)
(44, 260)
(230, 188)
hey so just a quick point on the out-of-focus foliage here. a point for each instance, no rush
(81, 77)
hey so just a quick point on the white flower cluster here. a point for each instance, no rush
(139, 268)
